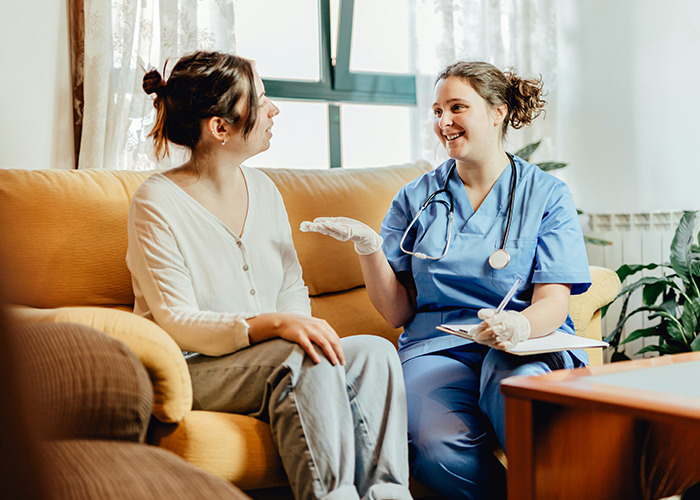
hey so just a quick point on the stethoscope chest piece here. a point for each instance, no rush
(499, 259)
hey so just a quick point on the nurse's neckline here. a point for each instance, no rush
(477, 194)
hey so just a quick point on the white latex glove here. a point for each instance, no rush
(366, 239)
(501, 331)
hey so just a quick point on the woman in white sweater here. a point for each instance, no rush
(213, 263)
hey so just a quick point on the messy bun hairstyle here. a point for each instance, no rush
(200, 86)
(522, 96)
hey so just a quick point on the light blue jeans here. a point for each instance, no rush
(456, 414)
(340, 430)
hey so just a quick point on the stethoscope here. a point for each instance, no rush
(499, 258)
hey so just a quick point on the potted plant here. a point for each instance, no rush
(673, 299)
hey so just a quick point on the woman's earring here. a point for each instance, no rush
(223, 143)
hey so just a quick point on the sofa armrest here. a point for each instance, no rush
(160, 355)
(605, 285)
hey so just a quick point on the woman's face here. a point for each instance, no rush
(465, 123)
(259, 138)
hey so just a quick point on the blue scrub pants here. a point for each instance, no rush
(456, 412)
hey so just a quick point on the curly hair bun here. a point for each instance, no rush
(153, 82)
(525, 100)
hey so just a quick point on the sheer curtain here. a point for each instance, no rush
(506, 33)
(121, 39)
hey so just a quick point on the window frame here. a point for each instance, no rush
(337, 84)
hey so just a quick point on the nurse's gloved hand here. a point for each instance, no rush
(366, 239)
(501, 331)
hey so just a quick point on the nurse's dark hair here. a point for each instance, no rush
(522, 96)
(201, 85)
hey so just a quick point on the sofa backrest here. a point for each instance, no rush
(359, 193)
(65, 230)
(65, 233)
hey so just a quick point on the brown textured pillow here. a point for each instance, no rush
(86, 469)
(83, 384)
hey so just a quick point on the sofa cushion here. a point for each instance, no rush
(83, 384)
(353, 314)
(66, 235)
(364, 194)
(236, 448)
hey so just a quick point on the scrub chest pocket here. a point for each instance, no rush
(522, 257)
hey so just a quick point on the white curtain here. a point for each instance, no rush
(122, 38)
(521, 34)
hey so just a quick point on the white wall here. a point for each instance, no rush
(36, 120)
(628, 108)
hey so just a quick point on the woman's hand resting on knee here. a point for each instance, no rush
(303, 330)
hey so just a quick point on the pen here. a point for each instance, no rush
(508, 296)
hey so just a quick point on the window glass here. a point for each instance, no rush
(376, 136)
(335, 12)
(299, 137)
(282, 36)
(381, 41)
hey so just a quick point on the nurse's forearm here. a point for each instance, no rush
(390, 298)
(549, 308)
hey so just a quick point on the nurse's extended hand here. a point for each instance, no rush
(501, 331)
(366, 239)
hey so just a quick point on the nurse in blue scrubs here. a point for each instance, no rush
(509, 221)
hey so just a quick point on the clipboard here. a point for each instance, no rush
(552, 342)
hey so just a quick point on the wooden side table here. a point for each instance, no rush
(616, 431)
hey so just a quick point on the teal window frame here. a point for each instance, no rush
(337, 84)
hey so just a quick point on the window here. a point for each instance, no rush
(343, 79)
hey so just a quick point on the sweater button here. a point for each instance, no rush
(239, 243)
(245, 268)
(252, 292)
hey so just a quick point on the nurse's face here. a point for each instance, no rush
(467, 125)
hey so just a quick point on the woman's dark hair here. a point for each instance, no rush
(522, 96)
(200, 86)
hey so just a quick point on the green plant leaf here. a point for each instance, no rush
(689, 320)
(526, 151)
(626, 270)
(651, 292)
(596, 241)
(675, 331)
(695, 344)
(619, 356)
(652, 331)
(694, 266)
(680, 247)
(652, 348)
(650, 280)
(548, 166)
(614, 337)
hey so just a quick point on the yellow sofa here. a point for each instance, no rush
(65, 232)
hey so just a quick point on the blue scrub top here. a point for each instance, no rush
(545, 244)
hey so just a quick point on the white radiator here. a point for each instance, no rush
(637, 238)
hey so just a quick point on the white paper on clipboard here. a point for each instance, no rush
(553, 342)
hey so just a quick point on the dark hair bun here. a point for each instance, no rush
(153, 82)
